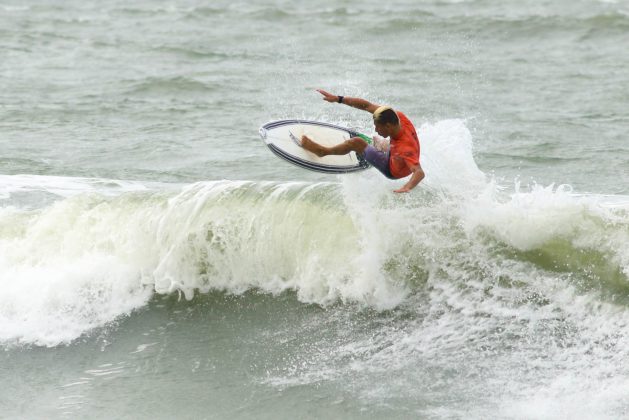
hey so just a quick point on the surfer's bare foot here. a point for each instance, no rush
(313, 147)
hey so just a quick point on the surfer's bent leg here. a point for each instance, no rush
(355, 144)
(379, 160)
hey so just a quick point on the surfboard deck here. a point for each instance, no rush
(282, 138)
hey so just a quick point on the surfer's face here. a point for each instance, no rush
(385, 130)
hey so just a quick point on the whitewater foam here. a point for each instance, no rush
(88, 258)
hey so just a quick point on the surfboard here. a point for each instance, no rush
(283, 138)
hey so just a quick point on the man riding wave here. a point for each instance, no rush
(402, 157)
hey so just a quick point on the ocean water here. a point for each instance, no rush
(158, 261)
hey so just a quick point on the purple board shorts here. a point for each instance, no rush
(379, 160)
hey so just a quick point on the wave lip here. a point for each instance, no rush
(89, 258)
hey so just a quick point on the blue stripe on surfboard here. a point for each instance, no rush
(280, 123)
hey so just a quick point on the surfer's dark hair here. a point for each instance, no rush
(385, 116)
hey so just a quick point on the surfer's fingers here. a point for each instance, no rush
(327, 96)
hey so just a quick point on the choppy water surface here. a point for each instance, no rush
(157, 261)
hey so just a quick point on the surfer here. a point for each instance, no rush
(398, 159)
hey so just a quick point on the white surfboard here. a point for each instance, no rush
(283, 138)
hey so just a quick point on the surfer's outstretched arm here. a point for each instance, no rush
(357, 103)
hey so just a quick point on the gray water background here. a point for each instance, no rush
(174, 92)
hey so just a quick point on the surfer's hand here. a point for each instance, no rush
(380, 143)
(416, 178)
(327, 96)
(404, 189)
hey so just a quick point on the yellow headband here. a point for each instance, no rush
(379, 111)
